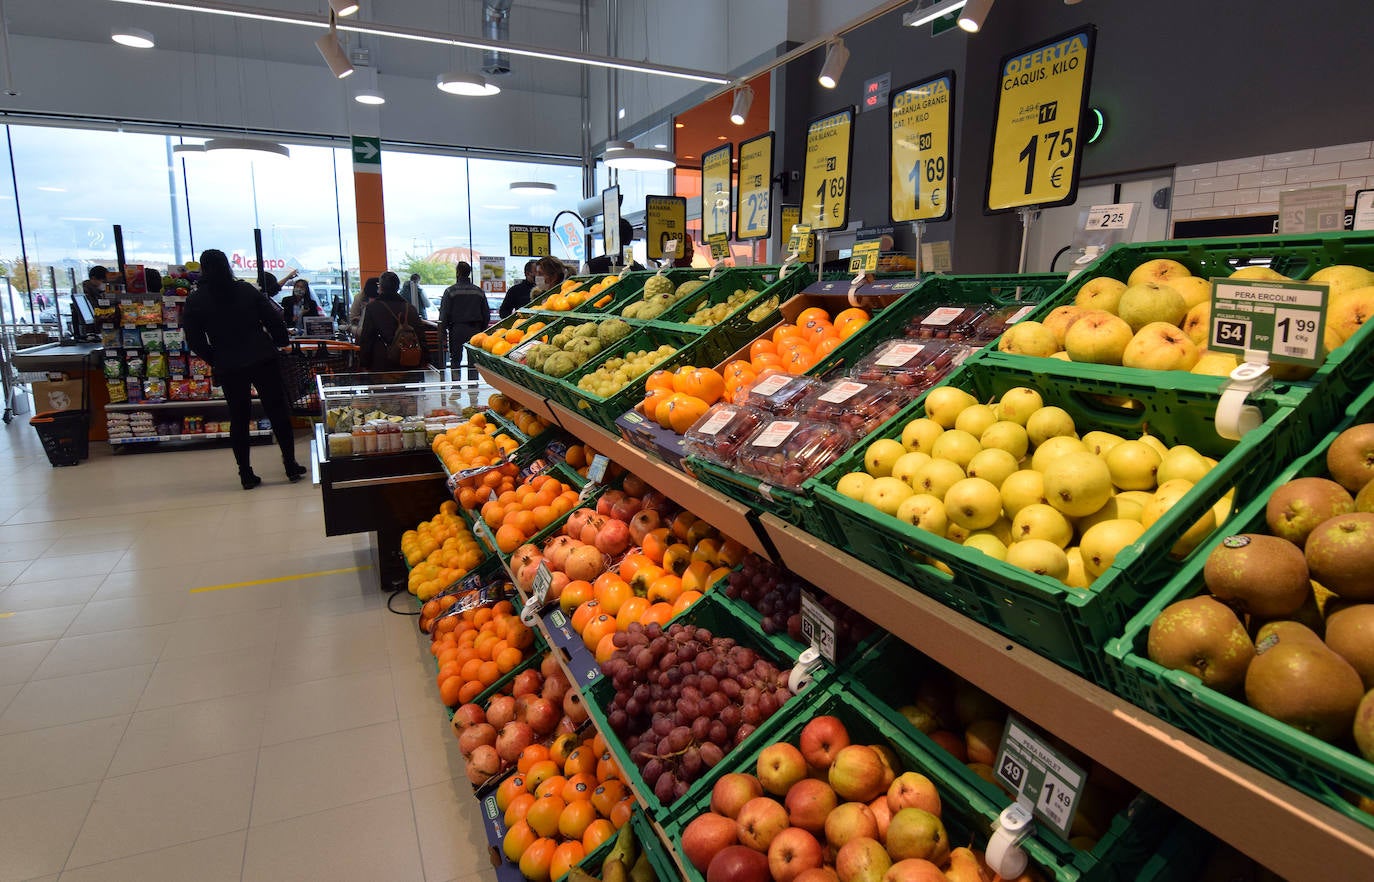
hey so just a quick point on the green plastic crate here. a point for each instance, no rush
(539, 304)
(562, 472)
(603, 411)
(999, 290)
(728, 335)
(1069, 626)
(886, 679)
(1326, 772)
(722, 618)
(792, 506)
(967, 812)
(511, 365)
(631, 286)
(1347, 371)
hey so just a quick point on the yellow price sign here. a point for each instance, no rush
(666, 220)
(539, 242)
(715, 190)
(864, 257)
(800, 239)
(1037, 142)
(825, 187)
(754, 220)
(720, 245)
(921, 120)
(520, 241)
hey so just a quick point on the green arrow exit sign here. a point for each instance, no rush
(367, 151)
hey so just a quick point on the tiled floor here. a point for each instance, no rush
(280, 731)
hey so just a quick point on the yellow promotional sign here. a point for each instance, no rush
(800, 238)
(720, 245)
(864, 257)
(754, 220)
(666, 219)
(1038, 136)
(922, 125)
(539, 242)
(715, 191)
(825, 187)
(527, 241)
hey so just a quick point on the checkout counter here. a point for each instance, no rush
(80, 361)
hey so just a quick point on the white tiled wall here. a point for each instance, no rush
(1251, 186)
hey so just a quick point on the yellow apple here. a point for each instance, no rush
(1259, 273)
(1159, 271)
(1193, 290)
(887, 494)
(881, 456)
(1197, 324)
(1215, 364)
(988, 544)
(1169, 494)
(1029, 338)
(1160, 346)
(1102, 542)
(1340, 279)
(1150, 302)
(854, 485)
(1102, 293)
(1098, 338)
(1077, 577)
(1059, 320)
(925, 512)
(1040, 556)
(1347, 314)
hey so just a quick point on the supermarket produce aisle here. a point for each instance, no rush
(282, 725)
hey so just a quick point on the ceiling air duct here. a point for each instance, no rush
(496, 26)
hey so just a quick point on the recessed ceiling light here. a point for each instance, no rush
(533, 187)
(660, 146)
(134, 38)
(472, 85)
(368, 96)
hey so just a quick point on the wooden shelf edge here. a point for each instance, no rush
(730, 517)
(1231, 799)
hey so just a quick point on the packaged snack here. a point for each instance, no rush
(340, 444)
(152, 340)
(199, 368)
(134, 363)
(174, 340)
(114, 366)
(855, 405)
(135, 282)
(130, 338)
(179, 390)
(117, 391)
(157, 364)
(106, 313)
(133, 387)
(717, 436)
(109, 338)
(176, 366)
(155, 389)
(779, 394)
(171, 311)
(787, 452)
(200, 390)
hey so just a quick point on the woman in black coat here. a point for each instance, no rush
(381, 319)
(235, 328)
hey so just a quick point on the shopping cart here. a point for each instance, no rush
(304, 360)
(13, 337)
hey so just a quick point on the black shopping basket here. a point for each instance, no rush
(303, 361)
(64, 434)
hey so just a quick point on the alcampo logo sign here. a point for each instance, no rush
(243, 261)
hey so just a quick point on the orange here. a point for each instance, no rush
(450, 690)
(535, 753)
(576, 818)
(509, 659)
(537, 861)
(508, 789)
(518, 840)
(539, 773)
(597, 832)
(543, 815)
(489, 673)
(566, 856)
(607, 795)
(470, 668)
(518, 808)
(551, 786)
(811, 314)
(470, 690)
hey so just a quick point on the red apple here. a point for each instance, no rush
(473, 737)
(732, 791)
(862, 859)
(779, 767)
(643, 524)
(542, 715)
(817, 874)
(483, 764)
(635, 485)
(850, 821)
(914, 871)
(858, 773)
(809, 803)
(760, 819)
(913, 790)
(705, 837)
(822, 738)
(892, 764)
(791, 853)
(916, 833)
(573, 707)
(527, 682)
(882, 813)
(513, 738)
(586, 562)
(613, 538)
(736, 863)
(501, 710)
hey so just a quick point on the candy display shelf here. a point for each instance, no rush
(194, 436)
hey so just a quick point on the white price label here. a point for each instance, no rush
(770, 385)
(1283, 319)
(818, 626)
(1110, 217)
(539, 588)
(597, 470)
(943, 316)
(719, 420)
(1020, 314)
(1039, 775)
(899, 354)
(842, 392)
(775, 434)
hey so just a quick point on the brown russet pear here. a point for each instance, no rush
(1259, 574)
(1203, 637)
(1340, 555)
(1350, 634)
(1350, 458)
(1299, 506)
(1297, 680)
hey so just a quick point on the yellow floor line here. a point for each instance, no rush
(6, 615)
(294, 578)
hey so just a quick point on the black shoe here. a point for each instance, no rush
(248, 479)
(295, 471)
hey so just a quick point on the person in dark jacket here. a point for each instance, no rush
(463, 311)
(355, 312)
(299, 304)
(237, 330)
(381, 319)
(519, 293)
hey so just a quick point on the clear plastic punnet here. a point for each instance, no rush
(855, 405)
(721, 431)
(785, 452)
(915, 365)
(779, 394)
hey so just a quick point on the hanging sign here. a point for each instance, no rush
(864, 257)
(1282, 319)
(825, 186)
(528, 241)
(754, 220)
(800, 239)
(715, 191)
(1041, 111)
(666, 220)
(720, 245)
(610, 217)
(921, 118)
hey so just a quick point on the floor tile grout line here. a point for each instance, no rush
(150, 851)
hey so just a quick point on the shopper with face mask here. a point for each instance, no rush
(519, 293)
(548, 274)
